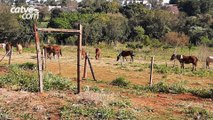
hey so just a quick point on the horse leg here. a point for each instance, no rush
(182, 65)
(126, 59)
(132, 58)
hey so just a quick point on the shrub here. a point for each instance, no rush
(121, 82)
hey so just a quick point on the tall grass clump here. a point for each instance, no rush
(204, 93)
(121, 82)
(175, 88)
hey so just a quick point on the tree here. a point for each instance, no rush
(191, 7)
(176, 39)
(158, 22)
(9, 25)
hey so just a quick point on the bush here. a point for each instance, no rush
(121, 82)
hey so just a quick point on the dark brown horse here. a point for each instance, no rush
(126, 53)
(186, 60)
(8, 48)
(97, 53)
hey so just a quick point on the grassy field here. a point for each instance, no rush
(120, 92)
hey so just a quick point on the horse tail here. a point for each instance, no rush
(60, 52)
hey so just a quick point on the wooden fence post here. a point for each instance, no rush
(151, 71)
(10, 55)
(79, 58)
(39, 60)
(85, 67)
(43, 60)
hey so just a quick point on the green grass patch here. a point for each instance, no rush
(121, 82)
(19, 79)
(198, 113)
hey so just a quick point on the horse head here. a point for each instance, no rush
(173, 57)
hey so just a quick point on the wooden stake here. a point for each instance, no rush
(90, 65)
(151, 71)
(10, 55)
(5, 55)
(39, 60)
(79, 58)
(85, 67)
(43, 60)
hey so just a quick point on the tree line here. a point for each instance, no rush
(109, 22)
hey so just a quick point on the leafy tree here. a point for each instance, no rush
(176, 39)
(110, 7)
(134, 10)
(9, 26)
(191, 7)
(158, 22)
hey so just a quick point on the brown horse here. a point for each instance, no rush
(126, 53)
(55, 49)
(97, 53)
(8, 48)
(208, 60)
(19, 48)
(83, 53)
(186, 59)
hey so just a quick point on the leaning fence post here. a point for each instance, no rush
(93, 75)
(85, 67)
(151, 71)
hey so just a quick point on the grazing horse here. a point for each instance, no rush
(55, 49)
(8, 48)
(83, 53)
(126, 53)
(97, 53)
(186, 59)
(208, 60)
(19, 48)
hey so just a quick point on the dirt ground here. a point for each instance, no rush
(106, 69)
